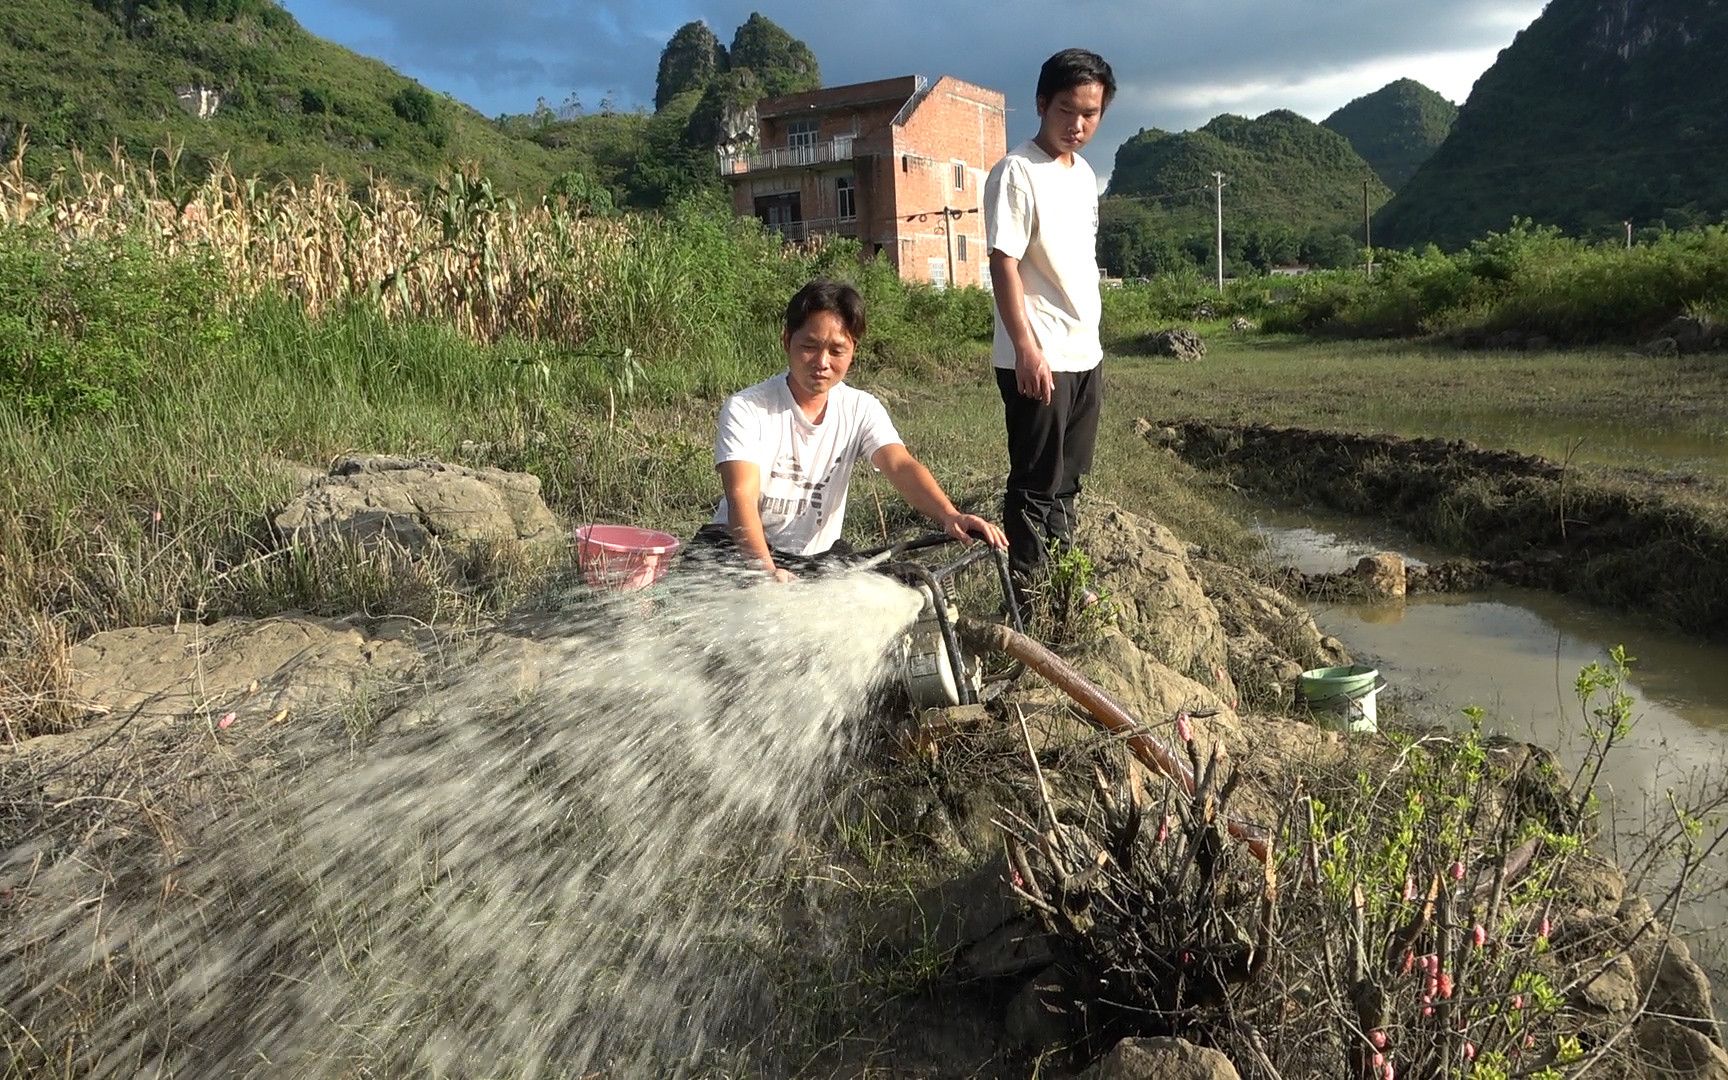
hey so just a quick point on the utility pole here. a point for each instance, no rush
(948, 216)
(1628, 225)
(1367, 229)
(1218, 201)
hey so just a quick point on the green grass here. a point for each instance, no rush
(1597, 407)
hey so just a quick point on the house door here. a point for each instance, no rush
(782, 213)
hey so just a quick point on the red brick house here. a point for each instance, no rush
(897, 163)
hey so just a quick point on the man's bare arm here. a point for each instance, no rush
(742, 481)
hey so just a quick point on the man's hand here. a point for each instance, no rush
(1032, 374)
(782, 575)
(969, 527)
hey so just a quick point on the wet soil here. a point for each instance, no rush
(1648, 543)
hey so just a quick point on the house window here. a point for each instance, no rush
(845, 198)
(960, 248)
(939, 273)
(800, 133)
(959, 176)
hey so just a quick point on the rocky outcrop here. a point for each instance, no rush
(1159, 600)
(1685, 335)
(419, 504)
(1161, 1059)
(1181, 344)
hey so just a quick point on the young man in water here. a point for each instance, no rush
(1041, 227)
(786, 446)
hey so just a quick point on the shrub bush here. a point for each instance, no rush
(78, 321)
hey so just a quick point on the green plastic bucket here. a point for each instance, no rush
(1342, 698)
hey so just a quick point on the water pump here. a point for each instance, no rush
(938, 673)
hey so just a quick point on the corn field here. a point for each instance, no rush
(460, 254)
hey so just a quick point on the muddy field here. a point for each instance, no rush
(1658, 546)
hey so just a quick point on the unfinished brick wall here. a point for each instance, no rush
(955, 134)
(907, 204)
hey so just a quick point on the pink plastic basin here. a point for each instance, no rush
(621, 558)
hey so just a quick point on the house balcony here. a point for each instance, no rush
(788, 157)
(797, 232)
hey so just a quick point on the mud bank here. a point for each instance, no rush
(1657, 546)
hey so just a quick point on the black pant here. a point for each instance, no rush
(1049, 448)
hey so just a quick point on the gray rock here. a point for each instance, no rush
(418, 503)
(1673, 1050)
(1014, 948)
(1688, 332)
(1041, 1015)
(1615, 989)
(1161, 1059)
(1184, 345)
(1382, 574)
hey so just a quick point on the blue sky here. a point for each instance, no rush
(1178, 62)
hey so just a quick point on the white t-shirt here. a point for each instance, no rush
(1045, 214)
(805, 467)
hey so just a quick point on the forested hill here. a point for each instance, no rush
(1280, 167)
(1396, 128)
(277, 100)
(1292, 187)
(1600, 111)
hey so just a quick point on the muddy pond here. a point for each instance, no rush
(1516, 653)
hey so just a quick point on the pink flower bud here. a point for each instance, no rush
(1529, 1042)
(1409, 888)
(1379, 1059)
(1431, 963)
(1517, 1001)
(1427, 1010)
(1378, 1038)
(1456, 871)
(1445, 984)
(1183, 730)
(1409, 962)
(1478, 936)
(1543, 927)
(227, 721)
(1388, 1073)
(1469, 1051)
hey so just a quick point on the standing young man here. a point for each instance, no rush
(1041, 225)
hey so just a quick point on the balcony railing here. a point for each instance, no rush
(797, 232)
(788, 157)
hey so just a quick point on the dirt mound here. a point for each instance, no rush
(1180, 344)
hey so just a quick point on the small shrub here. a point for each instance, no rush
(78, 321)
(415, 105)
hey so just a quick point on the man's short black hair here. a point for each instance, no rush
(1074, 67)
(824, 295)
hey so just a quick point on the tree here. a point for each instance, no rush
(669, 166)
(690, 59)
(782, 63)
(581, 193)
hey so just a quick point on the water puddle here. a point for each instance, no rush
(1516, 653)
